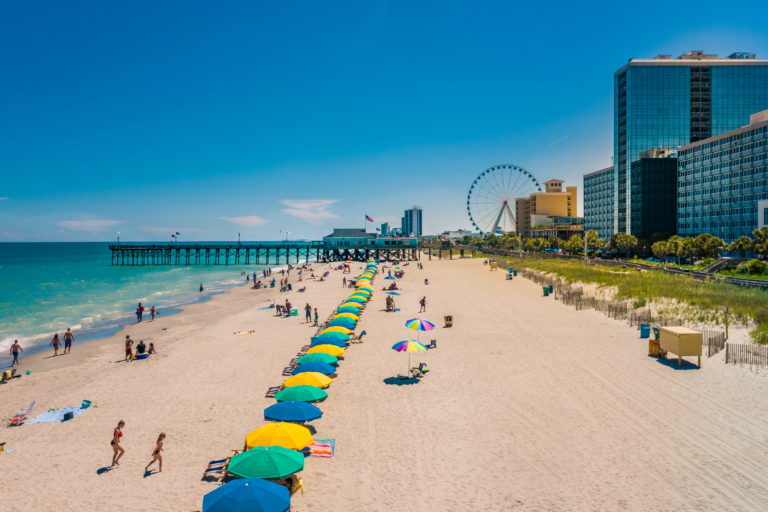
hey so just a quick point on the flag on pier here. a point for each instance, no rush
(368, 218)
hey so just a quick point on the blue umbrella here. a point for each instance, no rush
(328, 341)
(339, 322)
(348, 309)
(334, 335)
(248, 495)
(392, 293)
(298, 412)
(314, 366)
(389, 277)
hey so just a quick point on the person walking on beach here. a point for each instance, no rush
(157, 454)
(308, 312)
(128, 349)
(139, 312)
(68, 339)
(343, 282)
(15, 349)
(423, 304)
(55, 344)
(117, 450)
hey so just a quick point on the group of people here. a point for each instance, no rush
(141, 348)
(308, 314)
(69, 338)
(152, 310)
(118, 451)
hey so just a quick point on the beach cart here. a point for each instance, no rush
(681, 341)
(448, 320)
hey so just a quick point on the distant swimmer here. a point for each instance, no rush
(201, 287)
(15, 349)
(153, 312)
(68, 339)
(139, 312)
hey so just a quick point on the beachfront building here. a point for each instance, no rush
(598, 202)
(384, 228)
(540, 208)
(762, 213)
(411, 222)
(654, 194)
(722, 180)
(666, 103)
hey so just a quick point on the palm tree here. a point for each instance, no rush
(743, 245)
(761, 241)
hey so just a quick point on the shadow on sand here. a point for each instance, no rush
(672, 363)
(400, 381)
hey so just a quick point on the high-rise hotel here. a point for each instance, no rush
(666, 103)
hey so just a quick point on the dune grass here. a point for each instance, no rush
(745, 304)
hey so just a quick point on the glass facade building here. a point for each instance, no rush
(666, 103)
(598, 202)
(654, 195)
(410, 224)
(722, 180)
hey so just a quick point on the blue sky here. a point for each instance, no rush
(213, 118)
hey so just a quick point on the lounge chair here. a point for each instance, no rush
(271, 392)
(288, 370)
(297, 485)
(217, 469)
(432, 344)
(421, 371)
(357, 339)
(20, 418)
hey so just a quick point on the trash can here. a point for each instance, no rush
(546, 291)
(514, 272)
(551, 289)
(509, 270)
(86, 404)
(656, 333)
(645, 330)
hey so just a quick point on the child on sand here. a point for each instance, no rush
(128, 349)
(156, 455)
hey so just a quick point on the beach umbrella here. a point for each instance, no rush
(392, 293)
(390, 278)
(323, 358)
(348, 309)
(354, 305)
(359, 300)
(314, 366)
(364, 293)
(293, 411)
(333, 336)
(342, 322)
(308, 379)
(267, 461)
(248, 495)
(301, 393)
(419, 324)
(347, 261)
(328, 341)
(409, 346)
(327, 349)
(345, 330)
(287, 435)
(351, 316)
(365, 287)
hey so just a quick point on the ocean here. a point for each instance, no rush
(47, 287)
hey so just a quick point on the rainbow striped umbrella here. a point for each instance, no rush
(419, 324)
(409, 346)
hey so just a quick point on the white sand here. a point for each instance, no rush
(529, 405)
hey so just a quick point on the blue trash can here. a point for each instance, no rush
(551, 289)
(645, 330)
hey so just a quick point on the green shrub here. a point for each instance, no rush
(760, 334)
(639, 302)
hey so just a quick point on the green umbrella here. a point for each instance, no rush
(333, 334)
(301, 394)
(323, 358)
(266, 462)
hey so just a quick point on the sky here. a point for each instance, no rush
(285, 119)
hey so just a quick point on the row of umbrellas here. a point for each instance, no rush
(272, 451)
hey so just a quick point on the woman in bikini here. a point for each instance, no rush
(116, 448)
(55, 344)
(157, 454)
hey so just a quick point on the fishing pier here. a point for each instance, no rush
(341, 247)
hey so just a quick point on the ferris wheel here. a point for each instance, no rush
(491, 198)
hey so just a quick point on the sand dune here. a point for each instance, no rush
(529, 405)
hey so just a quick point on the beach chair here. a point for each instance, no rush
(357, 339)
(288, 370)
(217, 469)
(297, 485)
(20, 418)
(271, 392)
(432, 344)
(420, 371)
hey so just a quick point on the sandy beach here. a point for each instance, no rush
(528, 405)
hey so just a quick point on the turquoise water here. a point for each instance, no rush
(47, 287)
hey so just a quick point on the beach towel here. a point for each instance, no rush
(57, 416)
(240, 333)
(322, 448)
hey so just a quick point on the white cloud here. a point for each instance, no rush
(3, 198)
(248, 221)
(163, 230)
(311, 210)
(87, 225)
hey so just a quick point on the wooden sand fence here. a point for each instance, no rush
(753, 355)
(713, 340)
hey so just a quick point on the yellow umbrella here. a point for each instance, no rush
(308, 379)
(347, 315)
(352, 305)
(287, 435)
(326, 349)
(366, 287)
(337, 329)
